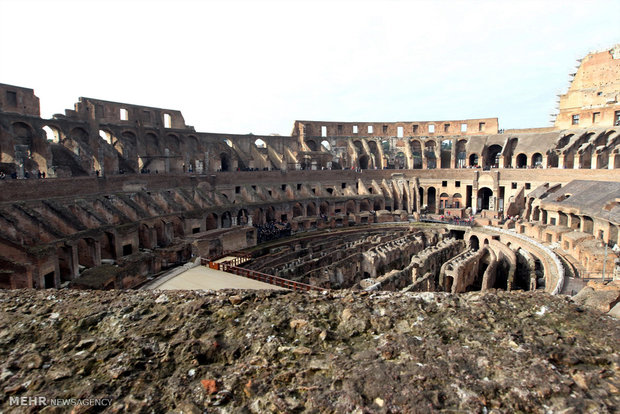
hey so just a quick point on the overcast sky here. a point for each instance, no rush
(256, 66)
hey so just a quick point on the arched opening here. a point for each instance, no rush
(474, 243)
(461, 153)
(432, 195)
(492, 158)
(575, 221)
(226, 221)
(588, 225)
(211, 221)
(260, 143)
(446, 153)
(421, 198)
(416, 154)
(324, 208)
(562, 219)
(350, 207)
(473, 160)
(297, 210)
(258, 217)
(325, 144)
(444, 201)
(242, 217)
(363, 162)
(429, 153)
(225, 164)
(228, 142)
(457, 200)
(106, 136)
(521, 161)
(377, 205)
(311, 209)
(484, 198)
(311, 145)
(537, 160)
(52, 133)
(536, 214)
(375, 160)
(365, 205)
(173, 144)
(270, 215)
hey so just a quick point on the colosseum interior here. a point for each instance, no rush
(111, 195)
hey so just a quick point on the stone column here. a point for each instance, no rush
(576, 161)
(167, 160)
(101, 162)
(233, 220)
(612, 161)
(205, 166)
(544, 161)
(561, 161)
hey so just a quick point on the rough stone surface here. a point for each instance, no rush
(291, 352)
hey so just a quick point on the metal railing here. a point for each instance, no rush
(263, 277)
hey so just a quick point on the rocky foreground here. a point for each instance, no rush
(344, 352)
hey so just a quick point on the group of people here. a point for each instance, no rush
(13, 175)
(272, 231)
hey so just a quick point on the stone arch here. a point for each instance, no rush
(311, 144)
(258, 217)
(521, 161)
(537, 160)
(562, 219)
(416, 154)
(260, 143)
(226, 220)
(298, 210)
(446, 153)
(363, 162)
(311, 209)
(376, 161)
(429, 154)
(457, 200)
(349, 207)
(325, 144)
(53, 133)
(444, 200)
(461, 153)
(492, 157)
(474, 243)
(431, 196)
(270, 214)
(173, 144)
(473, 160)
(23, 133)
(365, 205)
(588, 225)
(225, 162)
(485, 195)
(212, 222)
(324, 208)
(378, 204)
(242, 217)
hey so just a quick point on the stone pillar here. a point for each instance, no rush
(233, 220)
(561, 161)
(544, 161)
(205, 166)
(612, 161)
(576, 162)
(167, 160)
(101, 162)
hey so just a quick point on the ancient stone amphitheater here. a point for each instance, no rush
(110, 195)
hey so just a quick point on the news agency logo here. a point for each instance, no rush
(41, 401)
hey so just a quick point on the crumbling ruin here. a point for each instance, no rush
(109, 194)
